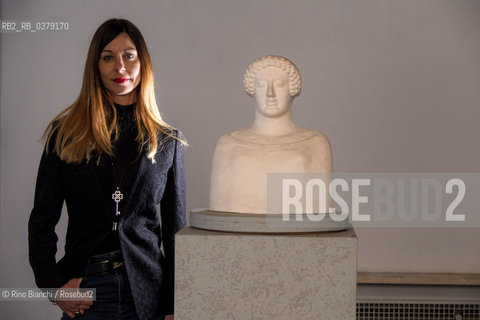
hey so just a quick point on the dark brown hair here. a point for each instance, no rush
(88, 124)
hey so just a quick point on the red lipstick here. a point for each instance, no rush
(120, 80)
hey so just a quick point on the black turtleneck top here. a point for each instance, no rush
(124, 164)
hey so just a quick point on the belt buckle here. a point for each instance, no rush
(104, 266)
(117, 264)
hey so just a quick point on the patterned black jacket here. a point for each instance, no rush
(141, 230)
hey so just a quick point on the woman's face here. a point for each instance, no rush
(120, 69)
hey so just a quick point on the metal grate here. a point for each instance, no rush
(417, 311)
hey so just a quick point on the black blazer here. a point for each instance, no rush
(140, 230)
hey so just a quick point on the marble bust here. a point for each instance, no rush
(273, 144)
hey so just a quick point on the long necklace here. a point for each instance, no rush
(117, 195)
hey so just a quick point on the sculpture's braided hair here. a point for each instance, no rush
(295, 81)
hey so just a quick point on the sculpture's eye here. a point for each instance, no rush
(261, 84)
(279, 83)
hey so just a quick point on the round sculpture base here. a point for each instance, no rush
(264, 223)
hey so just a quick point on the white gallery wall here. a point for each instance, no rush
(395, 85)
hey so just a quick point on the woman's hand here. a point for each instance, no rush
(169, 317)
(72, 308)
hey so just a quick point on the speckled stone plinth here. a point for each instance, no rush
(222, 275)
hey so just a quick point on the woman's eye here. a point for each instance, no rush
(130, 56)
(107, 58)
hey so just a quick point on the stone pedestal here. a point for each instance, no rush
(223, 275)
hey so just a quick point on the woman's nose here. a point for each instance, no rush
(120, 65)
(270, 90)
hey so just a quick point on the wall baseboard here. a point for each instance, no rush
(406, 278)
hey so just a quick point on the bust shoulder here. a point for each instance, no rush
(319, 139)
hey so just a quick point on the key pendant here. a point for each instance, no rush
(117, 196)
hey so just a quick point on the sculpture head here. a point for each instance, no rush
(274, 81)
(294, 79)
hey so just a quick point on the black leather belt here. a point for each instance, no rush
(110, 265)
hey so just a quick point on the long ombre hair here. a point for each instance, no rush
(89, 124)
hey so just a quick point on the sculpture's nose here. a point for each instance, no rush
(270, 90)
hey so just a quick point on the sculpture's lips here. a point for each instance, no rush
(271, 102)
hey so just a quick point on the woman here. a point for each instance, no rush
(112, 159)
